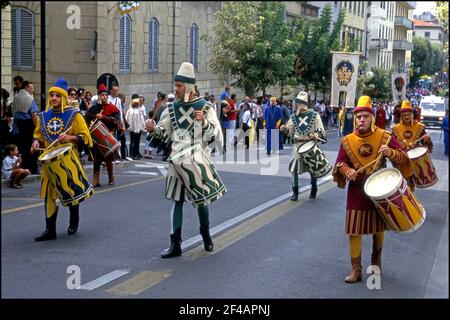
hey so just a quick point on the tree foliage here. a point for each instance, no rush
(378, 86)
(251, 40)
(427, 58)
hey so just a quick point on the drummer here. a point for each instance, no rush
(173, 125)
(50, 126)
(304, 125)
(410, 133)
(357, 150)
(110, 116)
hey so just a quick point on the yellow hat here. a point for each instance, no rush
(364, 104)
(406, 106)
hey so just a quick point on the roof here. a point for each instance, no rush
(426, 24)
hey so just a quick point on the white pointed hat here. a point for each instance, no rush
(186, 73)
(302, 97)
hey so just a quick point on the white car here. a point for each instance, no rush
(432, 111)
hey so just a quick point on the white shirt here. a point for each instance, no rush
(118, 103)
(246, 118)
(7, 166)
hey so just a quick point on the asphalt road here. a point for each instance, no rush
(265, 245)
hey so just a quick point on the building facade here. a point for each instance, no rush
(427, 26)
(143, 49)
(403, 29)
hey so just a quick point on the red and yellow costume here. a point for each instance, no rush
(356, 151)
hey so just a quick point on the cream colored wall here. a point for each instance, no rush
(6, 50)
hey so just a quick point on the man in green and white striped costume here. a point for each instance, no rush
(191, 123)
(304, 125)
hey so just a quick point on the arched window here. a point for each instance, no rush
(22, 33)
(193, 57)
(153, 47)
(125, 44)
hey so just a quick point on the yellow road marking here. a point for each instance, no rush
(139, 283)
(228, 238)
(40, 204)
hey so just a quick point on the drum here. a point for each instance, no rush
(104, 140)
(199, 176)
(66, 174)
(424, 171)
(314, 159)
(394, 200)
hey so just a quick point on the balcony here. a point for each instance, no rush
(411, 4)
(403, 22)
(378, 44)
(402, 45)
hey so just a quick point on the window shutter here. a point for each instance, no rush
(22, 25)
(153, 48)
(128, 44)
(194, 46)
(125, 43)
(121, 44)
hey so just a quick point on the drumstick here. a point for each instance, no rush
(57, 140)
(414, 142)
(95, 120)
(373, 161)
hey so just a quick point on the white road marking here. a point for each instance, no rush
(94, 284)
(142, 173)
(229, 223)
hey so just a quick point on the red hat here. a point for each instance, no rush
(102, 88)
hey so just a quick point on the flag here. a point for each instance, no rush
(344, 74)
(126, 7)
(399, 82)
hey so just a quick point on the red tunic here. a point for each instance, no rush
(380, 120)
(362, 216)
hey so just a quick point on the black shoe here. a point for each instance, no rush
(313, 192)
(48, 234)
(207, 241)
(74, 219)
(175, 246)
(294, 194)
(50, 229)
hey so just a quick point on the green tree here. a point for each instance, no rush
(379, 85)
(315, 39)
(250, 39)
(273, 57)
(427, 58)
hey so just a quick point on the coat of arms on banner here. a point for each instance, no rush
(344, 72)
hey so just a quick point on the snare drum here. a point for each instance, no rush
(104, 140)
(314, 159)
(199, 176)
(66, 174)
(394, 200)
(424, 171)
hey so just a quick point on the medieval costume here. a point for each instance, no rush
(110, 116)
(301, 125)
(191, 176)
(50, 125)
(358, 149)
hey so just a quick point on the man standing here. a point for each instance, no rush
(189, 122)
(50, 126)
(121, 137)
(445, 128)
(24, 110)
(304, 125)
(409, 132)
(357, 150)
(110, 116)
(272, 119)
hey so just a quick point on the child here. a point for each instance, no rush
(11, 166)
